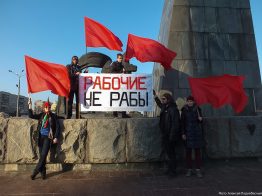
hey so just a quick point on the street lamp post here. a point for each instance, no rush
(18, 86)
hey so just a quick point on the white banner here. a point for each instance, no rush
(115, 92)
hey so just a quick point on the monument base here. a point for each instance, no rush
(117, 140)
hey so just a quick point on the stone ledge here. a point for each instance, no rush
(11, 167)
(82, 167)
(49, 167)
(58, 167)
(93, 141)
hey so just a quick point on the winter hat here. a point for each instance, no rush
(190, 98)
(46, 105)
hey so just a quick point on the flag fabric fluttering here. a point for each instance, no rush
(42, 76)
(220, 90)
(148, 50)
(98, 35)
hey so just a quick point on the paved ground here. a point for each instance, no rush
(242, 177)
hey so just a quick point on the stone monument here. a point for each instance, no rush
(211, 37)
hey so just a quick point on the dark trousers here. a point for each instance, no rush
(70, 103)
(171, 153)
(44, 146)
(53, 154)
(169, 150)
(197, 158)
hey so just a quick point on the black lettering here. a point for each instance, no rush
(146, 98)
(86, 99)
(96, 98)
(133, 101)
(141, 100)
(114, 99)
(124, 98)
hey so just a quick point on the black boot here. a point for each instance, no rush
(34, 174)
(172, 168)
(43, 175)
(124, 115)
(115, 114)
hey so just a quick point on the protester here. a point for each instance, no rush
(48, 133)
(73, 72)
(169, 126)
(118, 67)
(192, 134)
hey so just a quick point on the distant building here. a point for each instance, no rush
(8, 103)
(38, 106)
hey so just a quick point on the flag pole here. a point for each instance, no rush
(29, 101)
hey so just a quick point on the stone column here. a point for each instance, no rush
(211, 37)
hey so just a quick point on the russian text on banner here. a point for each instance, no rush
(115, 92)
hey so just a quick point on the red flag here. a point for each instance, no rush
(219, 90)
(98, 35)
(42, 76)
(148, 50)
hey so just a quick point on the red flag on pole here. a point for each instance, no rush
(42, 76)
(219, 90)
(148, 50)
(98, 35)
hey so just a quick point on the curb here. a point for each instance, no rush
(50, 167)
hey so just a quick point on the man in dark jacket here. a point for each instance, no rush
(48, 133)
(192, 134)
(117, 67)
(73, 72)
(169, 126)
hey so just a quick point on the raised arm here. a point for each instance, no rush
(30, 111)
(157, 100)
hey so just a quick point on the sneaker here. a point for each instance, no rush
(199, 173)
(189, 173)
